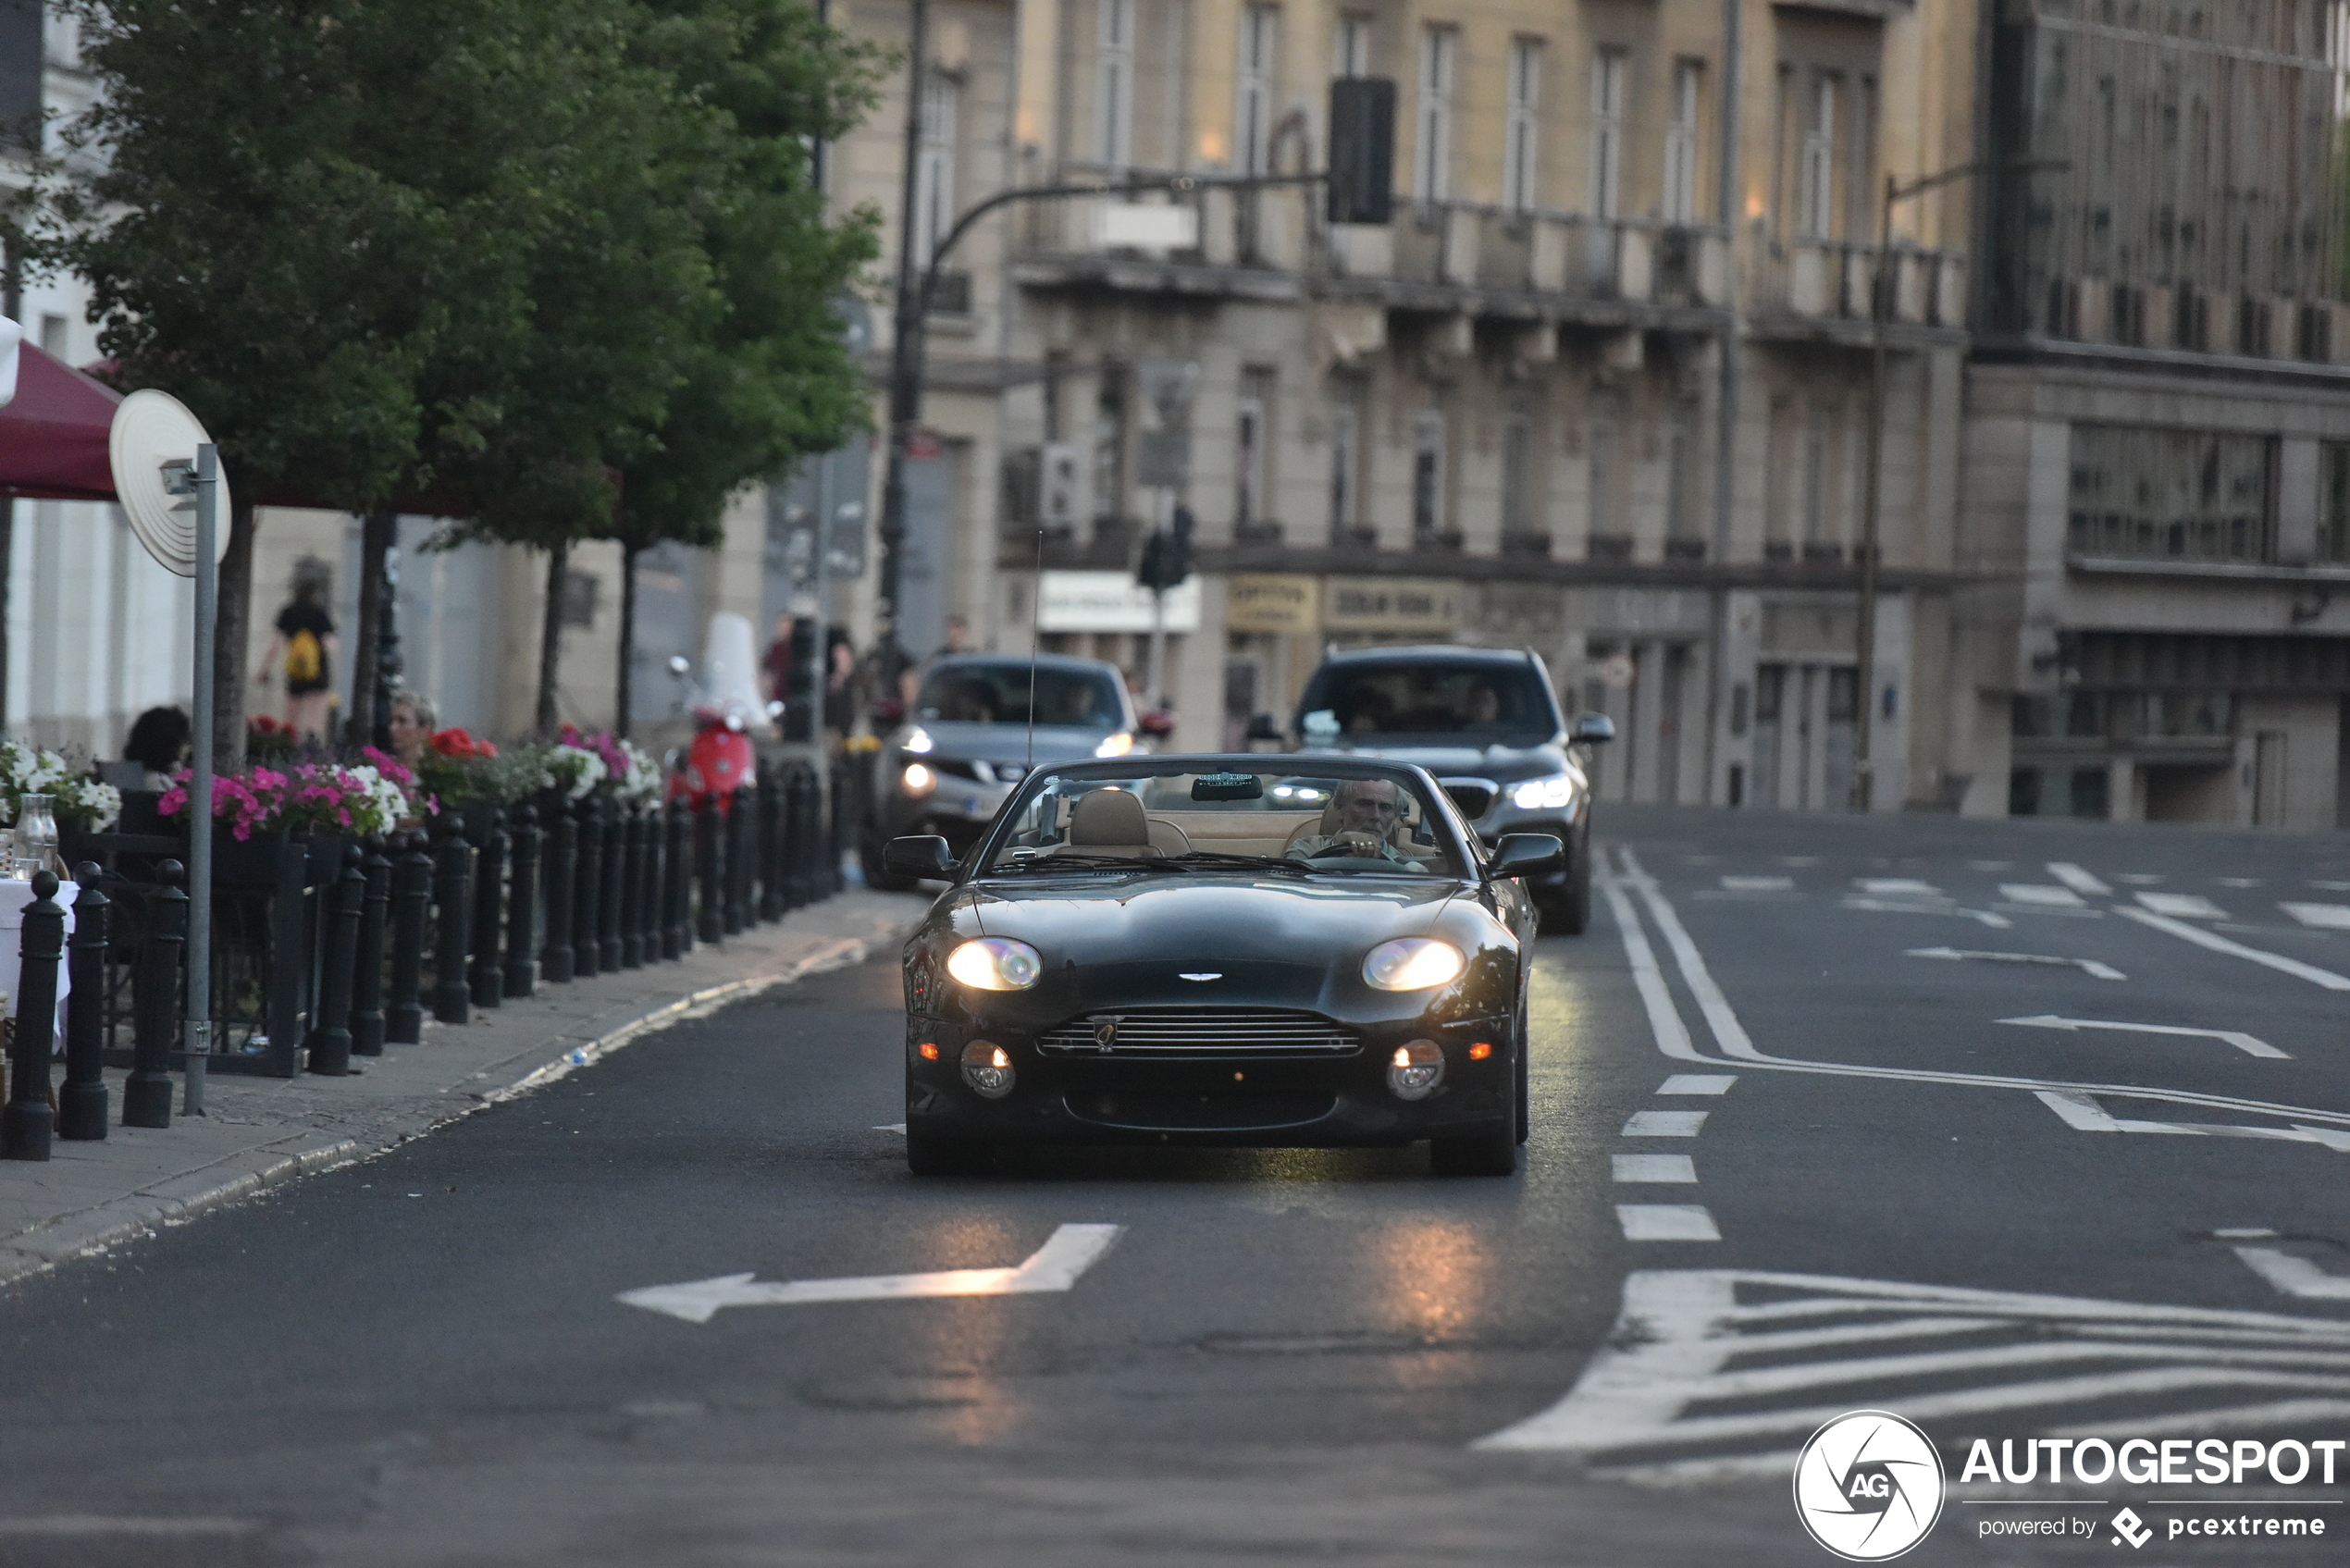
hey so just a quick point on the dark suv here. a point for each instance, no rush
(1487, 724)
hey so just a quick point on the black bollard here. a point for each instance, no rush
(710, 915)
(632, 905)
(27, 1121)
(367, 971)
(82, 1104)
(487, 976)
(330, 1037)
(154, 1002)
(653, 904)
(677, 889)
(806, 830)
(588, 890)
(452, 893)
(563, 857)
(612, 907)
(737, 817)
(770, 846)
(411, 901)
(522, 903)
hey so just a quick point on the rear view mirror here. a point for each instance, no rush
(924, 857)
(1593, 729)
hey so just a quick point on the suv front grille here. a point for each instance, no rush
(1473, 797)
(1194, 1032)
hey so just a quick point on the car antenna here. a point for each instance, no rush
(1035, 630)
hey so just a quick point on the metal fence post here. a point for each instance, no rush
(587, 888)
(710, 915)
(522, 903)
(410, 901)
(330, 1041)
(367, 974)
(453, 891)
(27, 1121)
(563, 863)
(155, 991)
(82, 1104)
(677, 892)
(487, 975)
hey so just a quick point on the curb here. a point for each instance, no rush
(178, 1198)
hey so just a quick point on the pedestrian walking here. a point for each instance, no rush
(303, 647)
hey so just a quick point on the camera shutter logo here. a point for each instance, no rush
(1868, 1485)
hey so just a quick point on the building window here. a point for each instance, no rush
(1815, 169)
(1114, 81)
(1519, 134)
(935, 166)
(2172, 494)
(1251, 445)
(2333, 520)
(1679, 523)
(1517, 476)
(1680, 143)
(1253, 92)
(1431, 173)
(1351, 47)
(1346, 461)
(1428, 475)
(1607, 132)
(1815, 481)
(1603, 487)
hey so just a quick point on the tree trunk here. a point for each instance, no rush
(550, 640)
(230, 674)
(366, 638)
(621, 715)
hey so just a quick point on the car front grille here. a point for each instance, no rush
(1194, 1032)
(1473, 797)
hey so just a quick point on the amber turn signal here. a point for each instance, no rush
(1482, 1050)
(929, 1051)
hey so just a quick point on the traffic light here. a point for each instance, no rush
(1362, 181)
(1166, 554)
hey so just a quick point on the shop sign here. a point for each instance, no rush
(1111, 601)
(1392, 604)
(1272, 602)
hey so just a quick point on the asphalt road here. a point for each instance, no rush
(1887, 1198)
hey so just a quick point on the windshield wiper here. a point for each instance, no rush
(1216, 860)
(1083, 860)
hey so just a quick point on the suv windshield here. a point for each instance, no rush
(997, 693)
(1501, 702)
(1167, 818)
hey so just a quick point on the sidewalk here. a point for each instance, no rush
(261, 1132)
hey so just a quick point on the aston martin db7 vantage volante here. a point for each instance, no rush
(1228, 949)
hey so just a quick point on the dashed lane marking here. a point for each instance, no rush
(2251, 1045)
(2218, 943)
(1898, 887)
(2237, 882)
(1698, 1083)
(2181, 905)
(2077, 880)
(2331, 886)
(1676, 1168)
(2041, 893)
(1666, 1222)
(2083, 1113)
(1758, 884)
(2294, 1275)
(1665, 1124)
(2088, 965)
(1890, 906)
(2320, 916)
(897, 1126)
(2140, 879)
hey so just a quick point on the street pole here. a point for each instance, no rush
(199, 783)
(905, 346)
(1725, 410)
(1156, 683)
(1865, 711)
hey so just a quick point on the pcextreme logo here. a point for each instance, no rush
(1868, 1485)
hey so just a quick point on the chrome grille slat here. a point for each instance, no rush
(1201, 1032)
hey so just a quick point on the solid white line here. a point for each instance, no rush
(1699, 1083)
(2218, 943)
(1665, 1124)
(2076, 879)
(2282, 1415)
(1666, 1222)
(2251, 1045)
(1730, 1036)
(1664, 1019)
(1654, 1168)
(2295, 1276)
(2083, 1113)
(1862, 1333)
(1667, 1342)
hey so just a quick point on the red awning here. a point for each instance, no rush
(52, 434)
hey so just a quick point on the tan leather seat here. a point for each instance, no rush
(1110, 822)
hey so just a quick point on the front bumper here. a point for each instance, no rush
(1211, 1099)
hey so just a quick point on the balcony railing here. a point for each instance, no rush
(1830, 280)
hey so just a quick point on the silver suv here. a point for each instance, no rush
(1487, 724)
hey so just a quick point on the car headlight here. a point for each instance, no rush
(918, 780)
(1117, 745)
(917, 741)
(1553, 794)
(995, 963)
(1412, 963)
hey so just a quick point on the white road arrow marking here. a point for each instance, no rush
(1053, 1267)
(2090, 965)
(2182, 906)
(2076, 879)
(2295, 1276)
(2218, 943)
(2083, 1113)
(1886, 907)
(2320, 916)
(2249, 1044)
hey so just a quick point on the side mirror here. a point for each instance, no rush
(924, 857)
(680, 666)
(1524, 854)
(1593, 729)
(1158, 725)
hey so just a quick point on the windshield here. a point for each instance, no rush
(1486, 703)
(997, 693)
(1169, 820)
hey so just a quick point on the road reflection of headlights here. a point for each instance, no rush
(1553, 794)
(917, 741)
(1117, 745)
(1412, 963)
(917, 780)
(995, 963)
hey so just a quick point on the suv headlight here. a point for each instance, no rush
(1553, 794)
(917, 741)
(1117, 745)
(995, 963)
(1412, 963)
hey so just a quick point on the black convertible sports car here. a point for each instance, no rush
(1240, 949)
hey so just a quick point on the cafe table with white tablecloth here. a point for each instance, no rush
(15, 896)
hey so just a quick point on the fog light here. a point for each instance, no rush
(1414, 1070)
(1482, 1050)
(918, 780)
(988, 1069)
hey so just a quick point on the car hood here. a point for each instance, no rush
(1501, 763)
(1009, 743)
